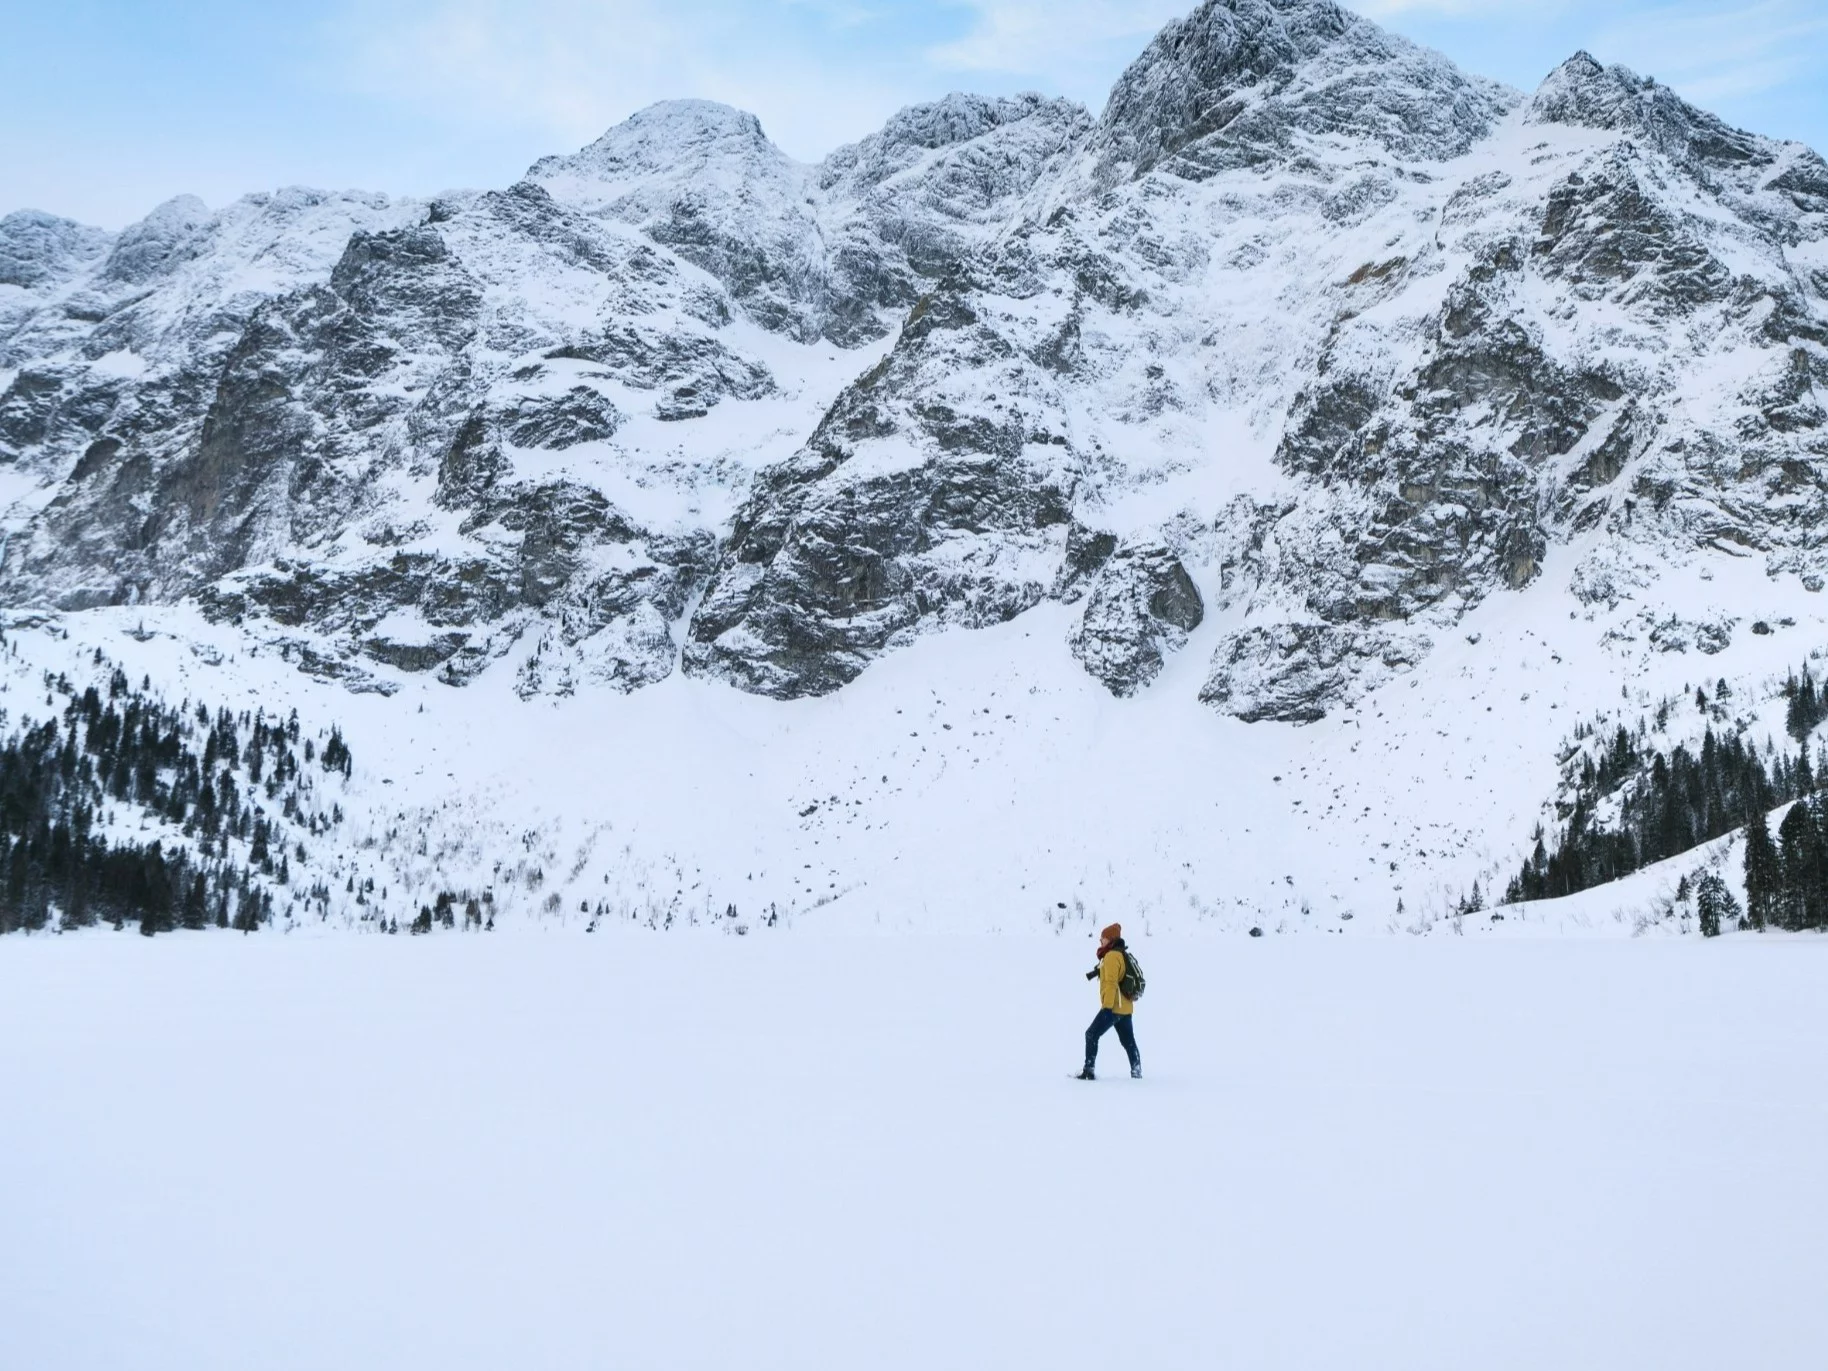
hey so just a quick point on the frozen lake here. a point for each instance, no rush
(819, 1152)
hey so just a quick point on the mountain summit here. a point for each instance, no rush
(1244, 79)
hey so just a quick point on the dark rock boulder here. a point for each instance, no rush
(1295, 673)
(1142, 606)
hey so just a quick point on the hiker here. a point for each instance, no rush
(1115, 968)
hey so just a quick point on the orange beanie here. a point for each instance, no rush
(1111, 934)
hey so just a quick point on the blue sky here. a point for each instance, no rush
(109, 106)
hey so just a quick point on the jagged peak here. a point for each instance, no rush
(1582, 66)
(953, 121)
(181, 210)
(664, 137)
(22, 220)
(36, 246)
(1204, 70)
(1226, 45)
(143, 248)
(960, 117)
(1585, 93)
(691, 114)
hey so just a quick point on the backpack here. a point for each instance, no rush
(1132, 985)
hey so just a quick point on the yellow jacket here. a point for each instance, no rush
(1110, 973)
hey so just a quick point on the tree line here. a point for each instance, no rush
(226, 795)
(1786, 880)
(1660, 803)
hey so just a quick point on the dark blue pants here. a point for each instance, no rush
(1126, 1034)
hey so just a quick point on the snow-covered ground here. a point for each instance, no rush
(797, 1150)
(978, 781)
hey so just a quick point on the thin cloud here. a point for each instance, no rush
(572, 68)
(1720, 52)
(823, 72)
(555, 63)
(1706, 49)
(1481, 9)
(1746, 79)
(1042, 36)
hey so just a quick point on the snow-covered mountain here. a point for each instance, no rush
(1261, 399)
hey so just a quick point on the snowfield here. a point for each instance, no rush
(792, 1150)
(977, 781)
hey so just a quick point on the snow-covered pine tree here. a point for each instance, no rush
(1799, 852)
(1714, 903)
(1804, 710)
(1763, 872)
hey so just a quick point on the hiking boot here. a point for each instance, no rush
(1136, 1073)
(1086, 1075)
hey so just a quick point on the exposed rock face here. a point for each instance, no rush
(1308, 325)
(906, 205)
(703, 180)
(1297, 672)
(819, 252)
(1566, 379)
(358, 466)
(1142, 606)
(911, 508)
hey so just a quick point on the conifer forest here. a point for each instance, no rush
(1628, 805)
(118, 807)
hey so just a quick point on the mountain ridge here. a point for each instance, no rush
(813, 251)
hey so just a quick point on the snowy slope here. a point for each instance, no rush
(975, 781)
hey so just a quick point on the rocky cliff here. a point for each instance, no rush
(1309, 343)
